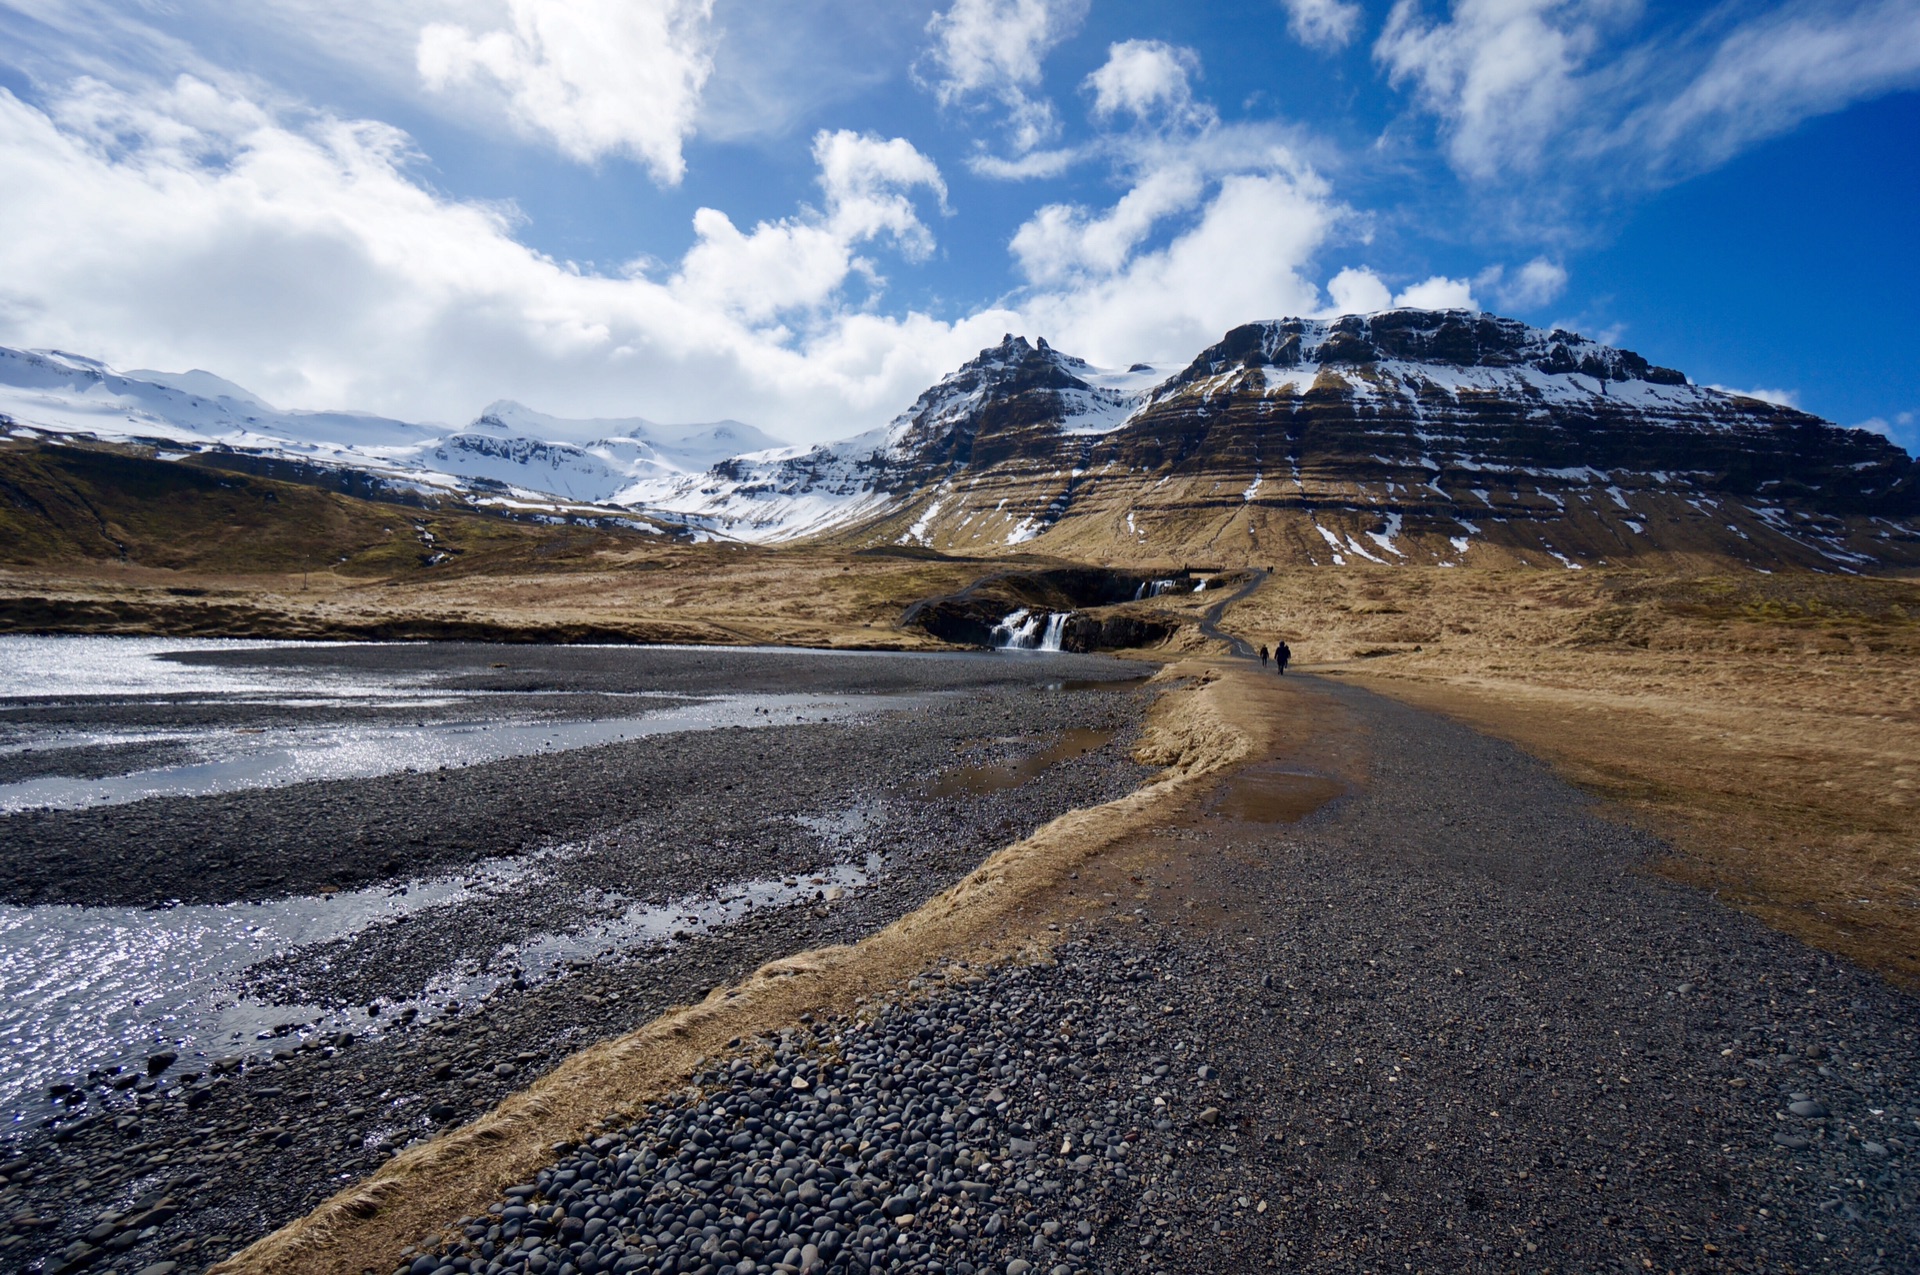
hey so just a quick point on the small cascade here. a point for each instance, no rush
(1023, 630)
(1152, 589)
(1017, 632)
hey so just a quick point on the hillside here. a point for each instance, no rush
(68, 506)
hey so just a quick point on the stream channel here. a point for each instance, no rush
(128, 767)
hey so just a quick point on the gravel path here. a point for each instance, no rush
(1446, 1023)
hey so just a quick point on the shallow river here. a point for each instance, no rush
(83, 987)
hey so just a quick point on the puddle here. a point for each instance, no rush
(88, 987)
(236, 760)
(978, 781)
(1275, 796)
(1074, 684)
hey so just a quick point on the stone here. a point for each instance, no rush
(1791, 1141)
(1807, 1109)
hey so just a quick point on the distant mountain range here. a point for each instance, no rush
(508, 454)
(1408, 436)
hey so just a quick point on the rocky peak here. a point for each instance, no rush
(1453, 338)
(1012, 388)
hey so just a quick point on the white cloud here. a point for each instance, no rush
(1063, 241)
(1903, 430)
(1438, 293)
(1322, 24)
(1238, 215)
(1242, 259)
(597, 77)
(1519, 86)
(802, 261)
(190, 228)
(1144, 78)
(1533, 285)
(995, 50)
(1500, 74)
(1032, 166)
(1785, 398)
(1768, 75)
(1358, 290)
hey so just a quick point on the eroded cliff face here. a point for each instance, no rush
(1407, 436)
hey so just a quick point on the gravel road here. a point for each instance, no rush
(1448, 1022)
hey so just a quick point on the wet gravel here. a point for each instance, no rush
(203, 1155)
(343, 834)
(1447, 1024)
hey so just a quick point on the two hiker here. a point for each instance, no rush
(1281, 654)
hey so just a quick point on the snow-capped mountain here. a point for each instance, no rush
(1016, 395)
(1442, 437)
(509, 452)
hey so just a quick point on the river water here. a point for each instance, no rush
(85, 987)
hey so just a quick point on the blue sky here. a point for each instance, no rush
(800, 212)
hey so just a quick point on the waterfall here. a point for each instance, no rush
(1017, 632)
(1021, 631)
(1152, 589)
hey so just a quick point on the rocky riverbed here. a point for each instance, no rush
(1443, 1022)
(391, 1030)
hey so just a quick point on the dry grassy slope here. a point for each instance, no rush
(78, 504)
(577, 592)
(1769, 724)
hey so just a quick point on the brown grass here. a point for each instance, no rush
(594, 590)
(1768, 725)
(1195, 732)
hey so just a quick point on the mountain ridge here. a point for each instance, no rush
(1442, 437)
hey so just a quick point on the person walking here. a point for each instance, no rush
(1263, 657)
(1281, 654)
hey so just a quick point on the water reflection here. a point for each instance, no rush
(85, 987)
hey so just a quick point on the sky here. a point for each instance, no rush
(800, 213)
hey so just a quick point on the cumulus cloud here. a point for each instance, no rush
(994, 51)
(1145, 79)
(595, 77)
(1243, 256)
(1438, 293)
(1358, 290)
(1533, 285)
(1322, 24)
(803, 261)
(190, 227)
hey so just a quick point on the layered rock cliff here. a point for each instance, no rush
(1401, 437)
